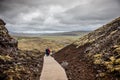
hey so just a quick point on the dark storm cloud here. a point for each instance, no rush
(57, 15)
(97, 10)
(118, 1)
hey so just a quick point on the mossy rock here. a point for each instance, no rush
(5, 58)
(102, 74)
(117, 68)
(117, 61)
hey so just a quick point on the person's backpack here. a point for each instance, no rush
(48, 50)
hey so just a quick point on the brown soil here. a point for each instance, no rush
(78, 67)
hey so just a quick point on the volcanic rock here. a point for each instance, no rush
(16, 64)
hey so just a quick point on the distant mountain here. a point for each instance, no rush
(25, 34)
(95, 56)
(72, 33)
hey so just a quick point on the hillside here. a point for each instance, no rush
(95, 56)
(16, 64)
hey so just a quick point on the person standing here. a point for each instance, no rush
(47, 52)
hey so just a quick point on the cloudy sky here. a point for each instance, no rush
(37, 16)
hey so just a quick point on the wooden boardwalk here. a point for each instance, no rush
(52, 70)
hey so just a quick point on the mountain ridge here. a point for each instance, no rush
(71, 33)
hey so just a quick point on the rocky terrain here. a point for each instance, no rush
(17, 64)
(95, 56)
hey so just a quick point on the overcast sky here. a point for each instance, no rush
(37, 16)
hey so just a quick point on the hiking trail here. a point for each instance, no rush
(52, 70)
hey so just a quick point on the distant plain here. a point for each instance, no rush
(53, 41)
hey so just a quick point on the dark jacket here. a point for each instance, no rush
(47, 51)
